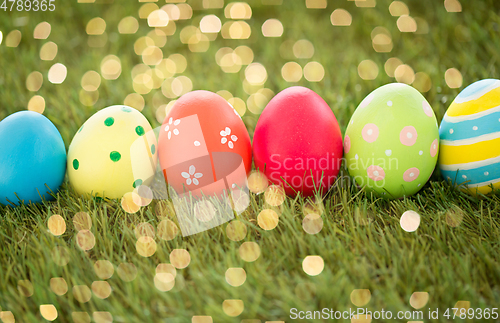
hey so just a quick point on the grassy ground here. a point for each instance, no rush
(361, 243)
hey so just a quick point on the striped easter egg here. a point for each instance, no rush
(470, 138)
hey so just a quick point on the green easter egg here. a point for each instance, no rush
(392, 141)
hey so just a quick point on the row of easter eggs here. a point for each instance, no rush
(391, 146)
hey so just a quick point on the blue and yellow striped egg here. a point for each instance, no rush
(470, 138)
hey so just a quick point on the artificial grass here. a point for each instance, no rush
(361, 243)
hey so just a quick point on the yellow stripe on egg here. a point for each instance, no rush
(488, 101)
(463, 154)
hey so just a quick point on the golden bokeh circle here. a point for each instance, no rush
(56, 225)
(104, 269)
(233, 307)
(268, 219)
(167, 230)
(101, 289)
(146, 246)
(257, 182)
(249, 251)
(312, 223)
(82, 221)
(166, 269)
(275, 195)
(85, 239)
(48, 312)
(144, 229)
(360, 297)
(236, 230)
(419, 299)
(236, 276)
(313, 265)
(128, 203)
(82, 293)
(37, 104)
(180, 258)
(127, 272)
(58, 285)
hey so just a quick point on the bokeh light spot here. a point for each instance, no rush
(272, 28)
(275, 195)
(48, 312)
(233, 307)
(34, 81)
(249, 251)
(453, 78)
(96, 26)
(314, 72)
(313, 265)
(360, 297)
(236, 230)
(180, 258)
(236, 276)
(419, 299)
(410, 221)
(56, 225)
(341, 17)
(291, 72)
(127, 272)
(268, 219)
(85, 239)
(48, 51)
(101, 289)
(404, 74)
(13, 38)
(312, 223)
(82, 293)
(42, 30)
(104, 269)
(58, 285)
(57, 73)
(368, 70)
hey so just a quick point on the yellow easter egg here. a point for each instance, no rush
(112, 153)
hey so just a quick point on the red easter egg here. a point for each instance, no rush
(204, 147)
(298, 143)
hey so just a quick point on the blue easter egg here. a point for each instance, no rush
(32, 158)
(470, 138)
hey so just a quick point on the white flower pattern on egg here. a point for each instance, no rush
(192, 176)
(228, 138)
(172, 123)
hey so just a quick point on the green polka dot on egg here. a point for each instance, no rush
(109, 121)
(76, 164)
(140, 130)
(115, 156)
(153, 149)
(137, 183)
(126, 109)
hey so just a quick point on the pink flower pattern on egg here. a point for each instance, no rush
(370, 132)
(376, 173)
(408, 136)
(347, 144)
(411, 174)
